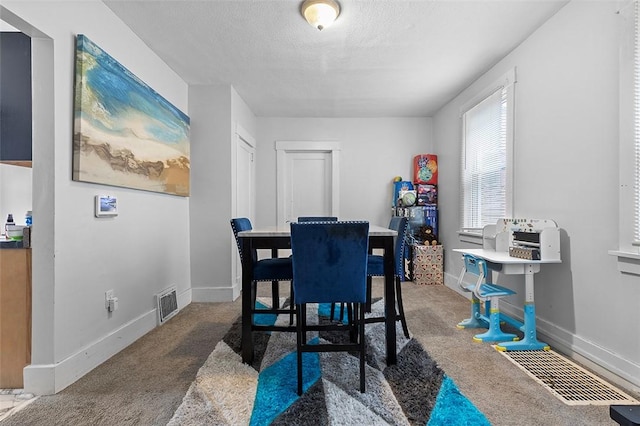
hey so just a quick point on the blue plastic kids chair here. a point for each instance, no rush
(490, 294)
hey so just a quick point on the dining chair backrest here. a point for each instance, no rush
(238, 225)
(400, 224)
(375, 268)
(317, 219)
(329, 261)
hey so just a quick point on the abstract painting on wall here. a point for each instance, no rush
(125, 134)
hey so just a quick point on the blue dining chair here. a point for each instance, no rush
(274, 270)
(375, 268)
(330, 266)
(304, 219)
(317, 219)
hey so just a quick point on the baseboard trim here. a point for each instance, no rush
(215, 294)
(48, 379)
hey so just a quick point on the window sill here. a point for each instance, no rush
(628, 262)
(470, 237)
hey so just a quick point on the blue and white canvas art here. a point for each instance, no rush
(125, 134)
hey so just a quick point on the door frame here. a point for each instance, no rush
(285, 148)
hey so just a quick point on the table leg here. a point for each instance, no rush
(389, 302)
(247, 277)
(275, 286)
(530, 341)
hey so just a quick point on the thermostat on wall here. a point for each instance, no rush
(106, 205)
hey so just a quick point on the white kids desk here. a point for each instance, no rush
(502, 242)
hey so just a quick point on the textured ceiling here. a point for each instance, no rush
(392, 58)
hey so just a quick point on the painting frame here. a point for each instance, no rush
(125, 134)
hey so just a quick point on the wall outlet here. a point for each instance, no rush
(108, 296)
(113, 304)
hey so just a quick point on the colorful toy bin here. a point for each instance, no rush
(425, 169)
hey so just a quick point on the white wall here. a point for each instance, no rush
(15, 192)
(216, 111)
(566, 169)
(210, 205)
(373, 152)
(137, 254)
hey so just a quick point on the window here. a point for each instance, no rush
(628, 251)
(486, 160)
(636, 129)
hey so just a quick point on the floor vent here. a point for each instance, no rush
(167, 304)
(569, 382)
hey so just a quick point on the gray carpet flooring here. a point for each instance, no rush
(145, 383)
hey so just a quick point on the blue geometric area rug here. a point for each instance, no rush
(415, 391)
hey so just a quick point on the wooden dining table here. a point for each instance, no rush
(279, 237)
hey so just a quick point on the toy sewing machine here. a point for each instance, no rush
(531, 239)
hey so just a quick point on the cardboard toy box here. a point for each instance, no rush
(428, 265)
(427, 194)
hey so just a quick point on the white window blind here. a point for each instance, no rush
(484, 162)
(628, 250)
(636, 128)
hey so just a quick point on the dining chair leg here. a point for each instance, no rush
(403, 320)
(333, 310)
(292, 307)
(254, 298)
(362, 347)
(301, 314)
(353, 321)
(369, 290)
(275, 287)
(275, 295)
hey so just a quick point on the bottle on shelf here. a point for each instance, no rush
(8, 223)
(28, 219)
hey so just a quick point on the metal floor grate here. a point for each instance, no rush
(569, 382)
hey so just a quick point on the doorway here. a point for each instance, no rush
(308, 179)
(40, 376)
(244, 193)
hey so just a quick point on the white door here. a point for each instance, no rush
(244, 179)
(308, 179)
(308, 188)
(244, 191)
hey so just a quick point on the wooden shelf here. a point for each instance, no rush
(15, 316)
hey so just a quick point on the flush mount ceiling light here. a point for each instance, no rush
(320, 13)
